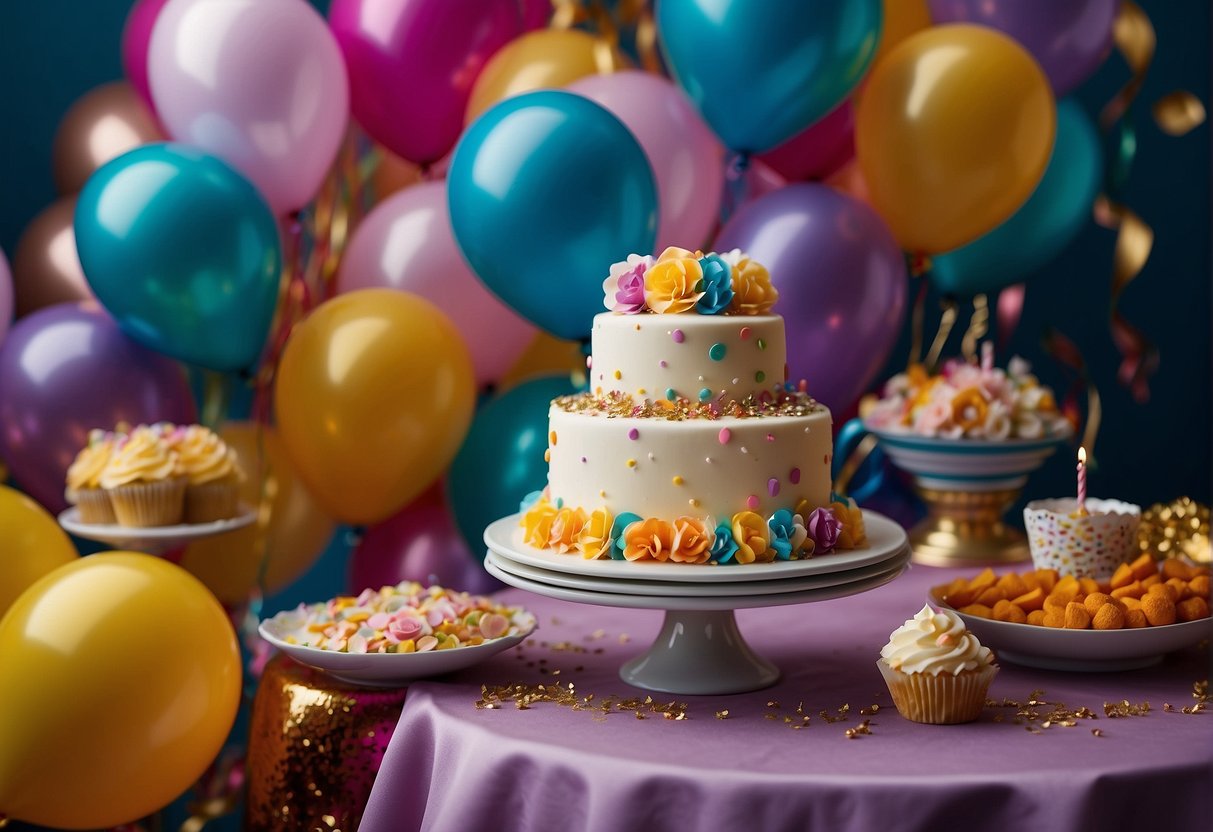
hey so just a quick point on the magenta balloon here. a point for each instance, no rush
(6, 296)
(66, 369)
(685, 155)
(761, 179)
(136, 35)
(1068, 38)
(406, 243)
(258, 83)
(818, 151)
(419, 543)
(535, 14)
(841, 280)
(412, 64)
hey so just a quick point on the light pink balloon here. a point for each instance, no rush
(686, 157)
(406, 243)
(259, 83)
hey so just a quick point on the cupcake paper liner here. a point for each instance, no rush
(939, 700)
(211, 501)
(144, 504)
(94, 506)
(1088, 546)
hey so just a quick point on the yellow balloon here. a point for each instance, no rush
(539, 60)
(953, 132)
(374, 396)
(289, 522)
(902, 18)
(119, 683)
(33, 545)
(546, 354)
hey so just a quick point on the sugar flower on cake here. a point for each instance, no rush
(753, 293)
(651, 539)
(724, 547)
(537, 524)
(619, 530)
(693, 540)
(671, 286)
(595, 538)
(788, 534)
(716, 285)
(566, 529)
(852, 532)
(968, 401)
(753, 538)
(823, 529)
(623, 289)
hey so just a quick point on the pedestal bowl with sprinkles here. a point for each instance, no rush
(390, 637)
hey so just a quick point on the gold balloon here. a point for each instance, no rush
(953, 132)
(33, 545)
(539, 60)
(46, 267)
(119, 683)
(902, 18)
(101, 125)
(546, 354)
(374, 396)
(290, 525)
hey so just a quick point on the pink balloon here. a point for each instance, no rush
(258, 83)
(6, 295)
(686, 157)
(136, 35)
(819, 150)
(761, 179)
(420, 543)
(406, 243)
(413, 63)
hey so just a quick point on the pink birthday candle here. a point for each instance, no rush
(1082, 480)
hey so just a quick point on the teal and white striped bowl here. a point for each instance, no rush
(967, 464)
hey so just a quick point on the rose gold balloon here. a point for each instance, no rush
(102, 124)
(46, 268)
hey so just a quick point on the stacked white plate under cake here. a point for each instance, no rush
(677, 586)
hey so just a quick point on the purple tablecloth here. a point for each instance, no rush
(453, 767)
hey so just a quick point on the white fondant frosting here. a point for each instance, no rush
(728, 356)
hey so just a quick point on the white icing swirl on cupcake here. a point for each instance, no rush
(935, 643)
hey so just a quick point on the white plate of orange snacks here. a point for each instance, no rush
(1127, 622)
(398, 634)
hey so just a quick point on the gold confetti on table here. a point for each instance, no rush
(862, 729)
(723, 714)
(524, 696)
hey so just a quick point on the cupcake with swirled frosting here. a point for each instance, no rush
(143, 481)
(936, 670)
(213, 477)
(84, 478)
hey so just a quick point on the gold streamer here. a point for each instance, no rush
(1178, 112)
(979, 325)
(1134, 241)
(1134, 37)
(608, 24)
(946, 321)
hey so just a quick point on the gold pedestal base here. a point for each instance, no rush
(965, 528)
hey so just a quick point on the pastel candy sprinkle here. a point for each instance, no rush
(663, 363)
(678, 480)
(618, 375)
(751, 502)
(724, 436)
(552, 437)
(705, 394)
(745, 332)
(678, 336)
(760, 376)
(770, 437)
(694, 503)
(633, 434)
(773, 487)
(547, 455)
(631, 463)
(794, 476)
(717, 352)
(670, 393)
(762, 345)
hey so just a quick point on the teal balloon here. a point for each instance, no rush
(546, 191)
(183, 253)
(501, 460)
(1043, 226)
(761, 71)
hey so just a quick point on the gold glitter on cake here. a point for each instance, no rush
(615, 405)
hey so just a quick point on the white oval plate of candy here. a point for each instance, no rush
(429, 631)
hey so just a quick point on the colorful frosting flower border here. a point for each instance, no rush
(746, 537)
(679, 281)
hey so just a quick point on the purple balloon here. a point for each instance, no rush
(412, 64)
(66, 369)
(136, 36)
(6, 295)
(1068, 38)
(419, 543)
(841, 281)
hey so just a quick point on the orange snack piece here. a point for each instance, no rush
(1006, 611)
(1123, 576)
(1158, 608)
(1175, 568)
(1192, 609)
(1068, 584)
(1088, 585)
(1129, 602)
(1012, 585)
(1150, 580)
(1135, 618)
(1199, 586)
(1076, 616)
(1054, 617)
(1133, 590)
(1167, 589)
(1108, 617)
(992, 596)
(1047, 579)
(1094, 601)
(1030, 601)
(978, 610)
(1031, 580)
(984, 580)
(1037, 618)
(1144, 566)
(1180, 587)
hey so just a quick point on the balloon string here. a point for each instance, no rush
(1066, 353)
(1009, 311)
(946, 321)
(736, 184)
(979, 325)
(216, 391)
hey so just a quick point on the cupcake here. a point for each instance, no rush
(212, 490)
(143, 481)
(937, 671)
(84, 478)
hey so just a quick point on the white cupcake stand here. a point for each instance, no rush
(700, 649)
(153, 540)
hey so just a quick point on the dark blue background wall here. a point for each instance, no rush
(55, 50)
